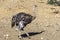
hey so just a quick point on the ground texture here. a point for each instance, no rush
(47, 19)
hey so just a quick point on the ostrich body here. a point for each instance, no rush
(21, 20)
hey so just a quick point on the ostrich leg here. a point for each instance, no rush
(21, 32)
(27, 34)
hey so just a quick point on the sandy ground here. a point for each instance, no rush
(46, 20)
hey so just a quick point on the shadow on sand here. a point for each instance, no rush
(32, 34)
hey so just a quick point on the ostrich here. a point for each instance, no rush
(21, 20)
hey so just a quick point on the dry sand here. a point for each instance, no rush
(46, 20)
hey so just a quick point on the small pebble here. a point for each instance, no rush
(6, 36)
(41, 38)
